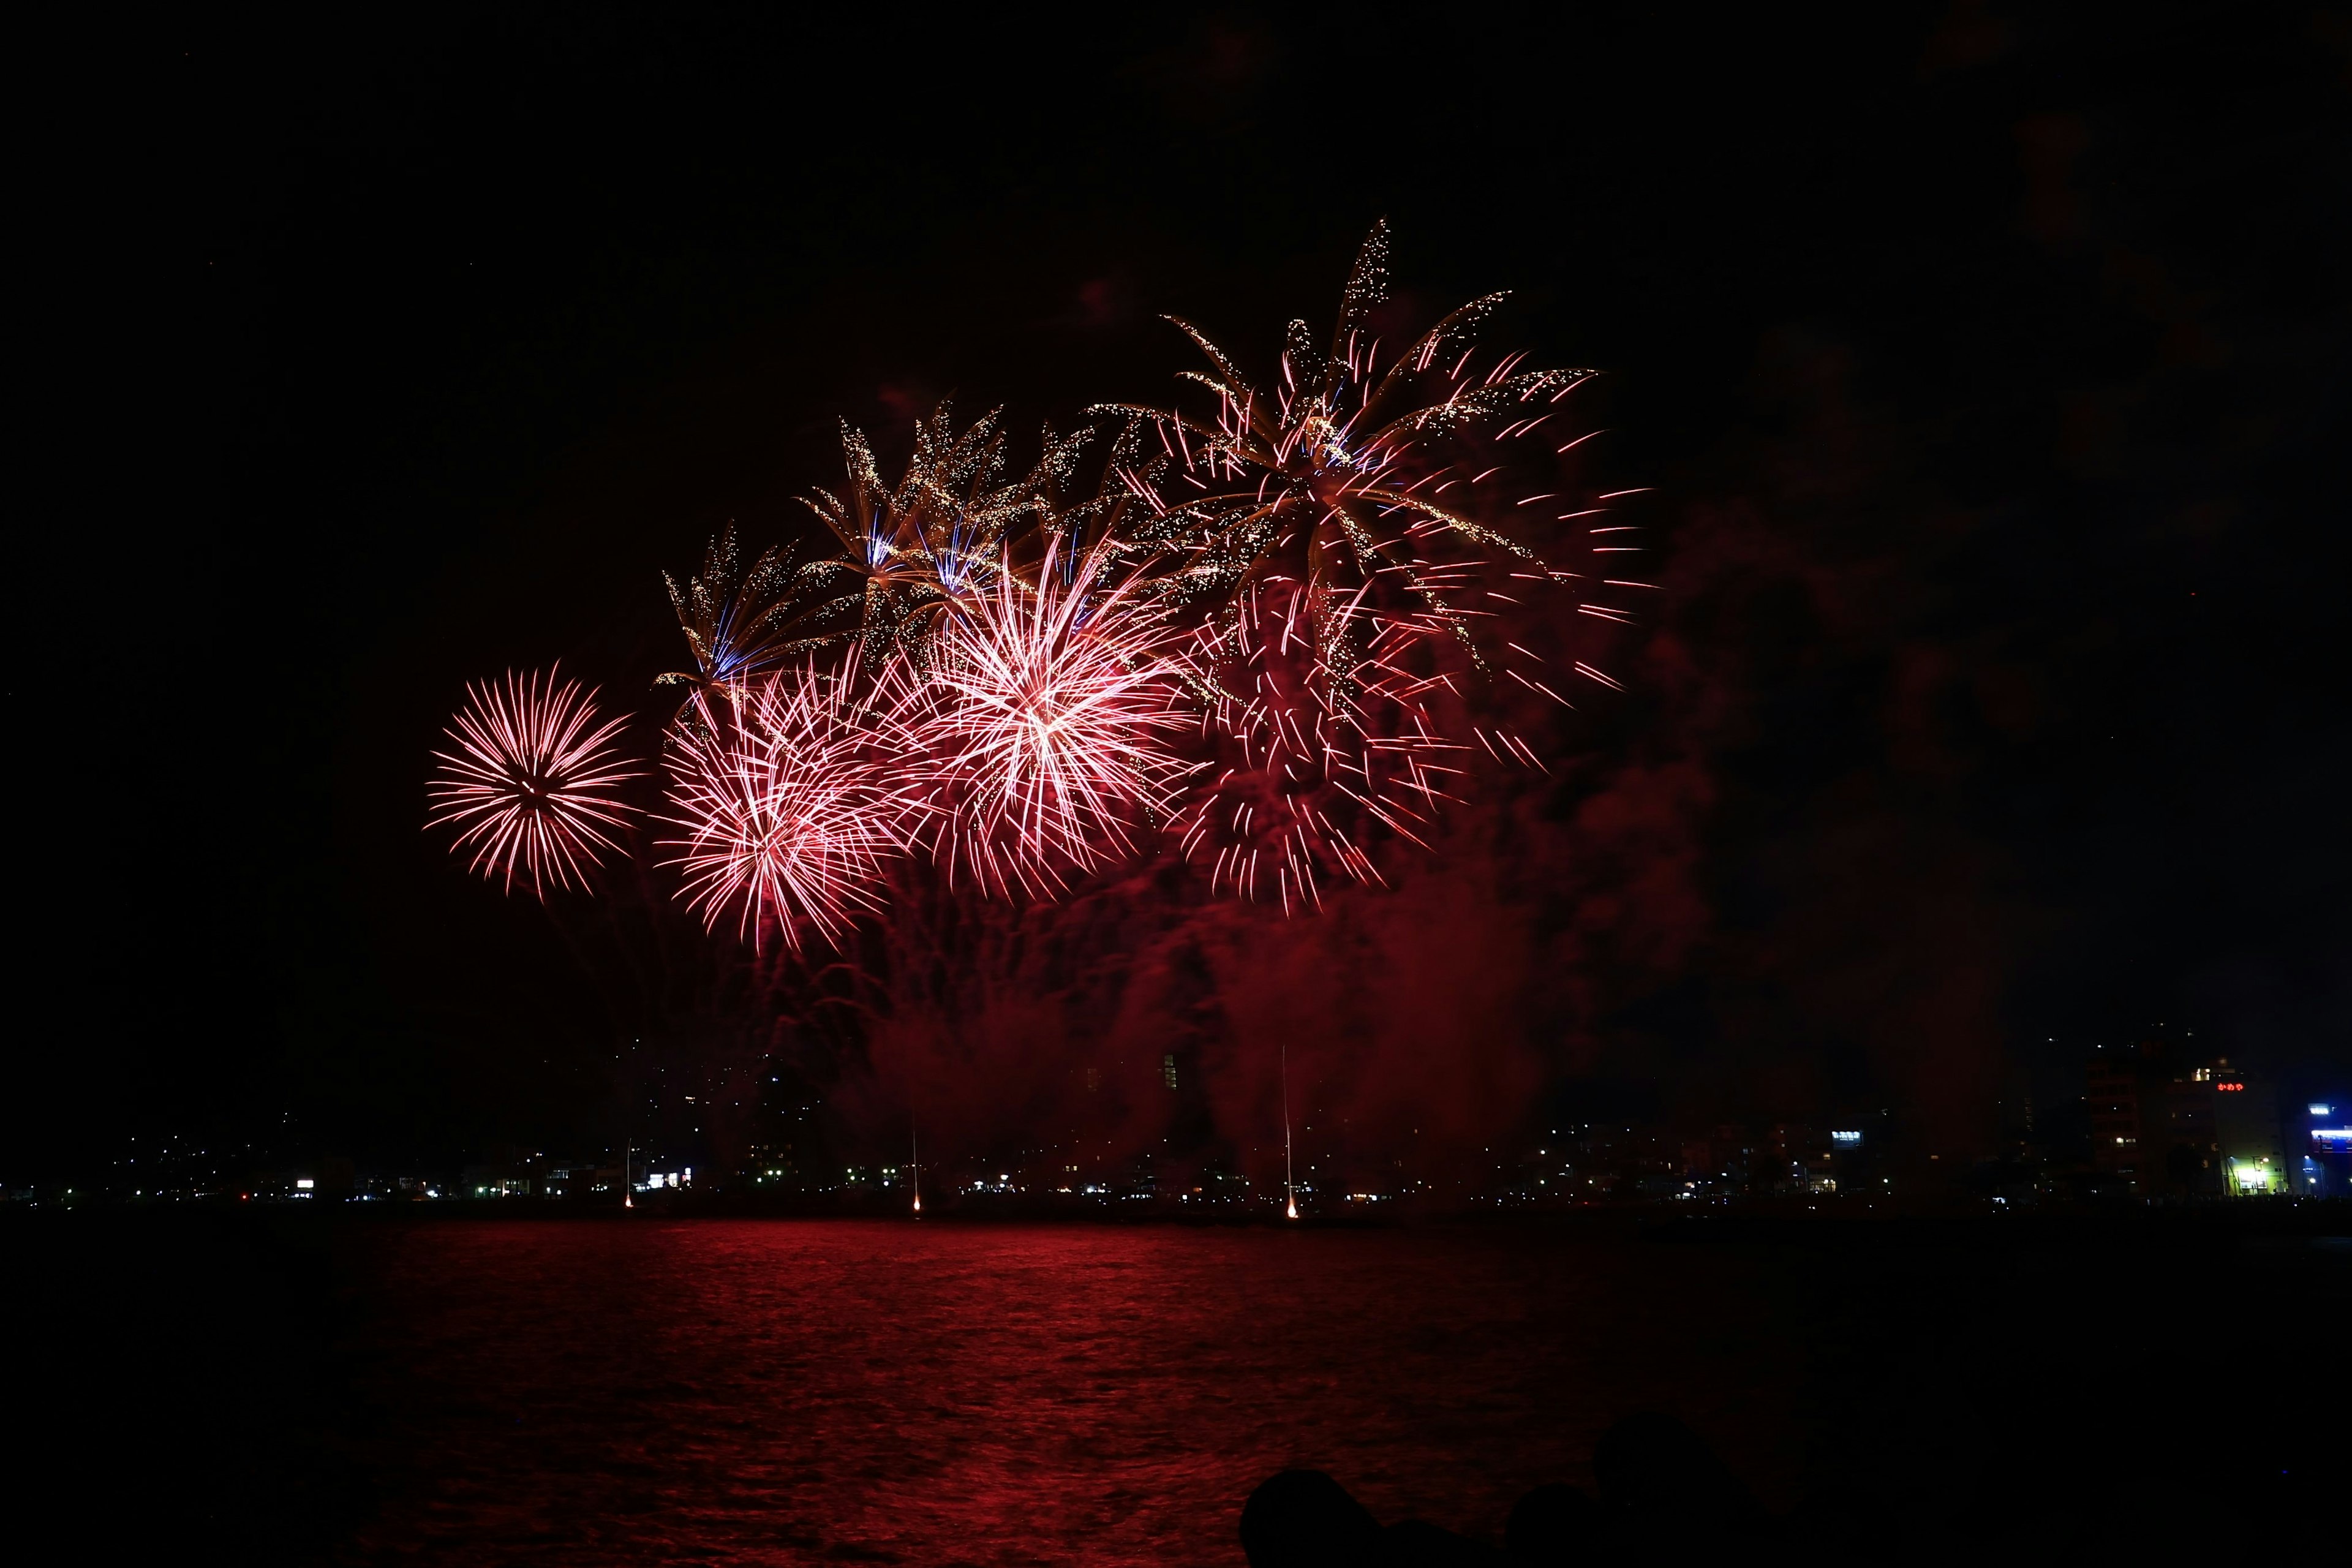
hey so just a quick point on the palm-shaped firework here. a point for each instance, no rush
(1335, 478)
(741, 624)
(531, 784)
(942, 534)
(1329, 528)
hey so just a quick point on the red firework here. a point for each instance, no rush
(1334, 522)
(783, 793)
(1048, 717)
(1313, 746)
(531, 786)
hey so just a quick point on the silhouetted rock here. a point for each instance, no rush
(1417, 1543)
(1555, 1524)
(1304, 1518)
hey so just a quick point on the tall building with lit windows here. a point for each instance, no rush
(2164, 1128)
(2111, 1087)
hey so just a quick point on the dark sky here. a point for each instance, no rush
(1990, 365)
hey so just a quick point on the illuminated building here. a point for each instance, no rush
(1858, 1150)
(2165, 1128)
(2220, 1136)
(2111, 1085)
(2323, 1167)
(500, 1181)
(2246, 1129)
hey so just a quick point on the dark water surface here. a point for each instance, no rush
(785, 1392)
(780, 1392)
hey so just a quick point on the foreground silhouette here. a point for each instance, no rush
(1664, 1496)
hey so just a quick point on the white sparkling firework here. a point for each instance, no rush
(532, 785)
(1050, 720)
(791, 795)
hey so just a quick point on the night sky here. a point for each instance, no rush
(1989, 371)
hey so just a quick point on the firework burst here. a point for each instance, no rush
(1329, 524)
(1050, 715)
(1339, 477)
(785, 804)
(938, 538)
(740, 624)
(1300, 579)
(531, 784)
(1309, 765)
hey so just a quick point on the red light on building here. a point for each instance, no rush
(2228, 1088)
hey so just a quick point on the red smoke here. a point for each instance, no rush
(1767, 829)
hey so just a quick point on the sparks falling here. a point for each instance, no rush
(1330, 527)
(532, 785)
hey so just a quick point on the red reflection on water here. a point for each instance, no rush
(778, 1392)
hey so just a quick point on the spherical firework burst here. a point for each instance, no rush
(1051, 710)
(532, 784)
(786, 805)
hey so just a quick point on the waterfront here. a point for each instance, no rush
(779, 1392)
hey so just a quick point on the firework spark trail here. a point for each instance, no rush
(787, 805)
(1342, 584)
(1305, 748)
(1052, 709)
(532, 784)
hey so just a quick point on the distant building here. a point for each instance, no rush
(2323, 1166)
(492, 1182)
(2161, 1127)
(1858, 1151)
(2185, 1153)
(579, 1179)
(2246, 1129)
(2110, 1087)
